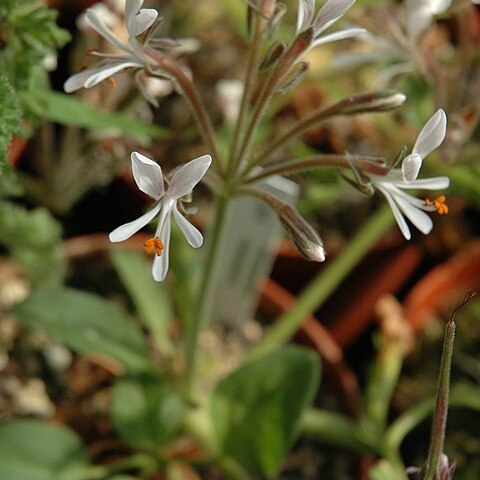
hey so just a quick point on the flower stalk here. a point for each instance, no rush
(433, 466)
(365, 103)
(371, 165)
(187, 88)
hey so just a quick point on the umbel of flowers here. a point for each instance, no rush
(240, 172)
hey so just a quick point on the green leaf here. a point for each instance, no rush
(150, 297)
(68, 110)
(33, 238)
(146, 411)
(256, 410)
(34, 450)
(384, 470)
(87, 324)
(10, 116)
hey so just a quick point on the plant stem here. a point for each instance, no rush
(334, 429)
(206, 285)
(299, 45)
(325, 283)
(366, 164)
(443, 391)
(254, 55)
(189, 91)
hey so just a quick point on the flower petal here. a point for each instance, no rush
(418, 217)
(431, 135)
(411, 166)
(439, 6)
(141, 21)
(160, 263)
(193, 236)
(306, 10)
(330, 13)
(185, 178)
(340, 35)
(418, 14)
(434, 183)
(128, 229)
(108, 70)
(99, 26)
(396, 213)
(77, 81)
(148, 175)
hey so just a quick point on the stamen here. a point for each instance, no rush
(111, 83)
(439, 203)
(153, 245)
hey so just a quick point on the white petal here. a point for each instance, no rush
(128, 229)
(418, 15)
(306, 10)
(411, 166)
(330, 13)
(108, 70)
(99, 26)
(148, 175)
(185, 178)
(160, 263)
(396, 213)
(140, 22)
(77, 81)
(340, 35)
(439, 6)
(431, 135)
(434, 183)
(418, 217)
(193, 236)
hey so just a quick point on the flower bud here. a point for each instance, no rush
(370, 102)
(305, 238)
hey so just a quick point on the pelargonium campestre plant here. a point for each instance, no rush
(172, 394)
(244, 168)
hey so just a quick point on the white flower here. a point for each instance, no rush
(419, 14)
(149, 178)
(402, 203)
(137, 21)
(430, 137)
(327, 15)
(397, 180)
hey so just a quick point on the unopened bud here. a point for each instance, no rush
(371, 102)
(272, 55)
(305, 238)
(293, 78)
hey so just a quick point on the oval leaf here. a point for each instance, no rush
(87, 324)
(34, 450)
(256, 410)
(146, 411)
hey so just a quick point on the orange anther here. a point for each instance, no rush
(439, 203)
(153, 245)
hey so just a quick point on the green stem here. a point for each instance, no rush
(334, 429)
(297, 48)
(206, 285)
(292, 167)
(325, 283)
(190, 93)
(443, 392)
(254, 55)
(302, 127)
(441, 408)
